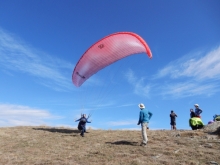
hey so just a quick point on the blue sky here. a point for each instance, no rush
(41, 42)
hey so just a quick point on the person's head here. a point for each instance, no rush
(141, 106)
(84, 115)
(196, 105)
(172, 111)
(191, 110)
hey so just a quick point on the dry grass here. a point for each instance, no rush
(64, 146)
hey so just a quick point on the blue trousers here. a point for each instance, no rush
(83, 129)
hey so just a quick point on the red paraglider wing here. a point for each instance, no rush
(107, 51)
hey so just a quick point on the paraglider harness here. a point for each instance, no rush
(82, 122)
(196, 123)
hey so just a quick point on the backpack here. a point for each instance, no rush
(81, 123)
(195, 122)
(83, 120)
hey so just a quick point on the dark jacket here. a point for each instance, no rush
(82, 122)
(192, 114)
(173, 117)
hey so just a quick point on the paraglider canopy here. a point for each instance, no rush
(107, 51)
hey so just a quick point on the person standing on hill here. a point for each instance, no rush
(144, 118)
(198, 111)
(173, 120)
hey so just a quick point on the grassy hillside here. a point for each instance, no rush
(64, 146)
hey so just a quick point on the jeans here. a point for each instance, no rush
(144, 132)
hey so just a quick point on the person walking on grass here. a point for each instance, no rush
(82, 124)
(144, 118)
(173, 120)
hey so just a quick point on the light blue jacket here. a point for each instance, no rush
(144, 116)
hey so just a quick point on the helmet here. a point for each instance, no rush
(196, 105)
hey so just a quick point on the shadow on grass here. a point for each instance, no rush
(55, 130)
(123, 142)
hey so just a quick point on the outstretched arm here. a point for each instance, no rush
(77, 120)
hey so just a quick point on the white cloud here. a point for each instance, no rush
(186, 89)
(16, 55)
(139, 87)
(194, 74)
(130, 76)
(15, 115)
(199, 65)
